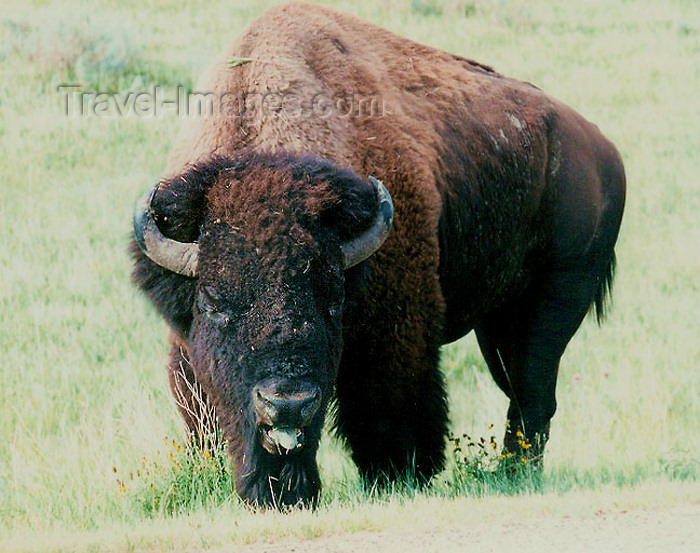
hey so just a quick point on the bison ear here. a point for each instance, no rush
(355, 200)
(363, 219)
(175, 209)
(178, 204)
(155, 271)
(356, 207)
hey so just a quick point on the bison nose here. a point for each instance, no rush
(286, 410)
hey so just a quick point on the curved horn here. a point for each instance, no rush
(360, 248)
(178, 257)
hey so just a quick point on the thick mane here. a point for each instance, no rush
(270, 192)
(263, 197)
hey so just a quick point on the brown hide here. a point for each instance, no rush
(453, 132)
(507, 208)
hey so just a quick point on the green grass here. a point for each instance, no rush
(82, 392)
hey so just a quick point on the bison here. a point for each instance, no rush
(311, 257)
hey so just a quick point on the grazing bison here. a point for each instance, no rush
(267, 247)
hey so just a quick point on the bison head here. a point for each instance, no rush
(245, 259)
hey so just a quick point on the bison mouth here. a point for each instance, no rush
(283, 412)
(281, 440)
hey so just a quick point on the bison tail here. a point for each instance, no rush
(603, 294)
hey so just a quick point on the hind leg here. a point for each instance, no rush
(523, 343)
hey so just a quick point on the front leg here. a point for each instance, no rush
(392, 406)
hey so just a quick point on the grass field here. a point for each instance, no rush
(91, 448)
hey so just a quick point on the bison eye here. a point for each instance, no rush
(217, 317)
(207, 305)
(335, 310)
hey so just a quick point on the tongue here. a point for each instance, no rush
(284, 437)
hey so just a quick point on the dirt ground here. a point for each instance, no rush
(675, 530)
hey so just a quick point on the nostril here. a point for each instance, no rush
(310, 406)
(265, 407)
(286, 410)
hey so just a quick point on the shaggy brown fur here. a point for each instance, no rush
(507, 208)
